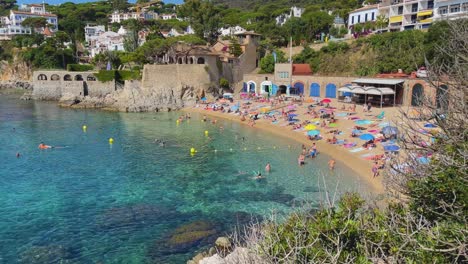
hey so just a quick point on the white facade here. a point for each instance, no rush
(407, 14)
(363, 15)
(293, 12)
(12, 25)
(92, 32)
(231, 31)
(168, 16)
(106, 41)
(450, 9)
(117, 17)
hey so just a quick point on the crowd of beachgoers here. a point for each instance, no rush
(364, 131)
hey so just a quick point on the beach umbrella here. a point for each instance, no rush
(203, 99)
(429, 125)
(313, 133)
(326, 100)
(389, 130)
(333, 125)
(392, 148)
(356, 131)
(366, 137)
(310, 127)
(292, 115)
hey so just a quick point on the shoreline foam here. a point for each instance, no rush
(359, 166)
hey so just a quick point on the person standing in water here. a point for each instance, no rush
(331, 164)
(268, 167)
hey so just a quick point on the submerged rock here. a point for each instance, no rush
(186, 237)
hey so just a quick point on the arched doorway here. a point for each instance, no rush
(55, 77)
(315, 90)
(417, 95)
(78, 77)
(91, 78)
(191, 60)
(283, 89)
(297, 89)
(265, 87)
(252, 87)
(180, 61)
(42, 77)
(441, 97)
(201, 60)
(67, 77)
(330, 90)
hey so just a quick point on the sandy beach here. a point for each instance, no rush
(355, 160)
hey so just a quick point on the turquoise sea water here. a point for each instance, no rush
(92, 202)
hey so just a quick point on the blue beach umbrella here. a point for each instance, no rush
(356, 131)
(313, 133)
(292, 115)
(203, 99)
(366, 137)
(389, 130)
(429, 125)
(392, 148)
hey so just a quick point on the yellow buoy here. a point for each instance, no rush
(192, 150)
(111, 140)
(84, 128)
(206, 132)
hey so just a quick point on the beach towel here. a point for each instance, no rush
(373, 131)
(356, 149)
(367, 155)
(341, 114)
(350, 145)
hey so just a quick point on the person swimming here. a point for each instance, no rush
(268, 167)
(259, 176)
(162, 144)
(44, 146)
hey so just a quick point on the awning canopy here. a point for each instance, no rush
(396, 19)
(367, 90)
(425, 13)
(379, 81)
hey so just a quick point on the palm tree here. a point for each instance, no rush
(381, 22)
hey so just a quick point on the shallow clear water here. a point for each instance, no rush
(92, 202)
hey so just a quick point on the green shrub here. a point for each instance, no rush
(118, 76)
(80, 67)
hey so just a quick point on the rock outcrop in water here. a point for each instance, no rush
(46, 254)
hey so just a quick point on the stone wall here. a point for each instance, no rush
(53, 85)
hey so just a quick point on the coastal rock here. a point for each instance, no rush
(46, 254)
(223, 246)
(239, 255)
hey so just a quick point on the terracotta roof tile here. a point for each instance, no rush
(301, 69)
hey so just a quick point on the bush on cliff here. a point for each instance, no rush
(80, 67)
(118, 75)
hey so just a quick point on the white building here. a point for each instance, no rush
(168, 16)
(11, 25)
(117, 17)
(450, 9)
(293, 12)
(362, 15)
(92, 32)
(407, 14)
(106, 41)
(231, 31)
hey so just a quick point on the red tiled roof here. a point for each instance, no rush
(392, 75)
(301, 69)
(47, 32)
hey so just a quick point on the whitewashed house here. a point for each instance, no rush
(293, 12)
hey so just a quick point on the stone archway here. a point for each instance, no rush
(67, 77)
(282, 89)
(252, 87)
(78, 77)
(297, 88)
(201, 60)
(91, 78)
(191, 60)
(315, 90)
(55, 77)
(42, 77)
(180, 61)
(417, 95)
